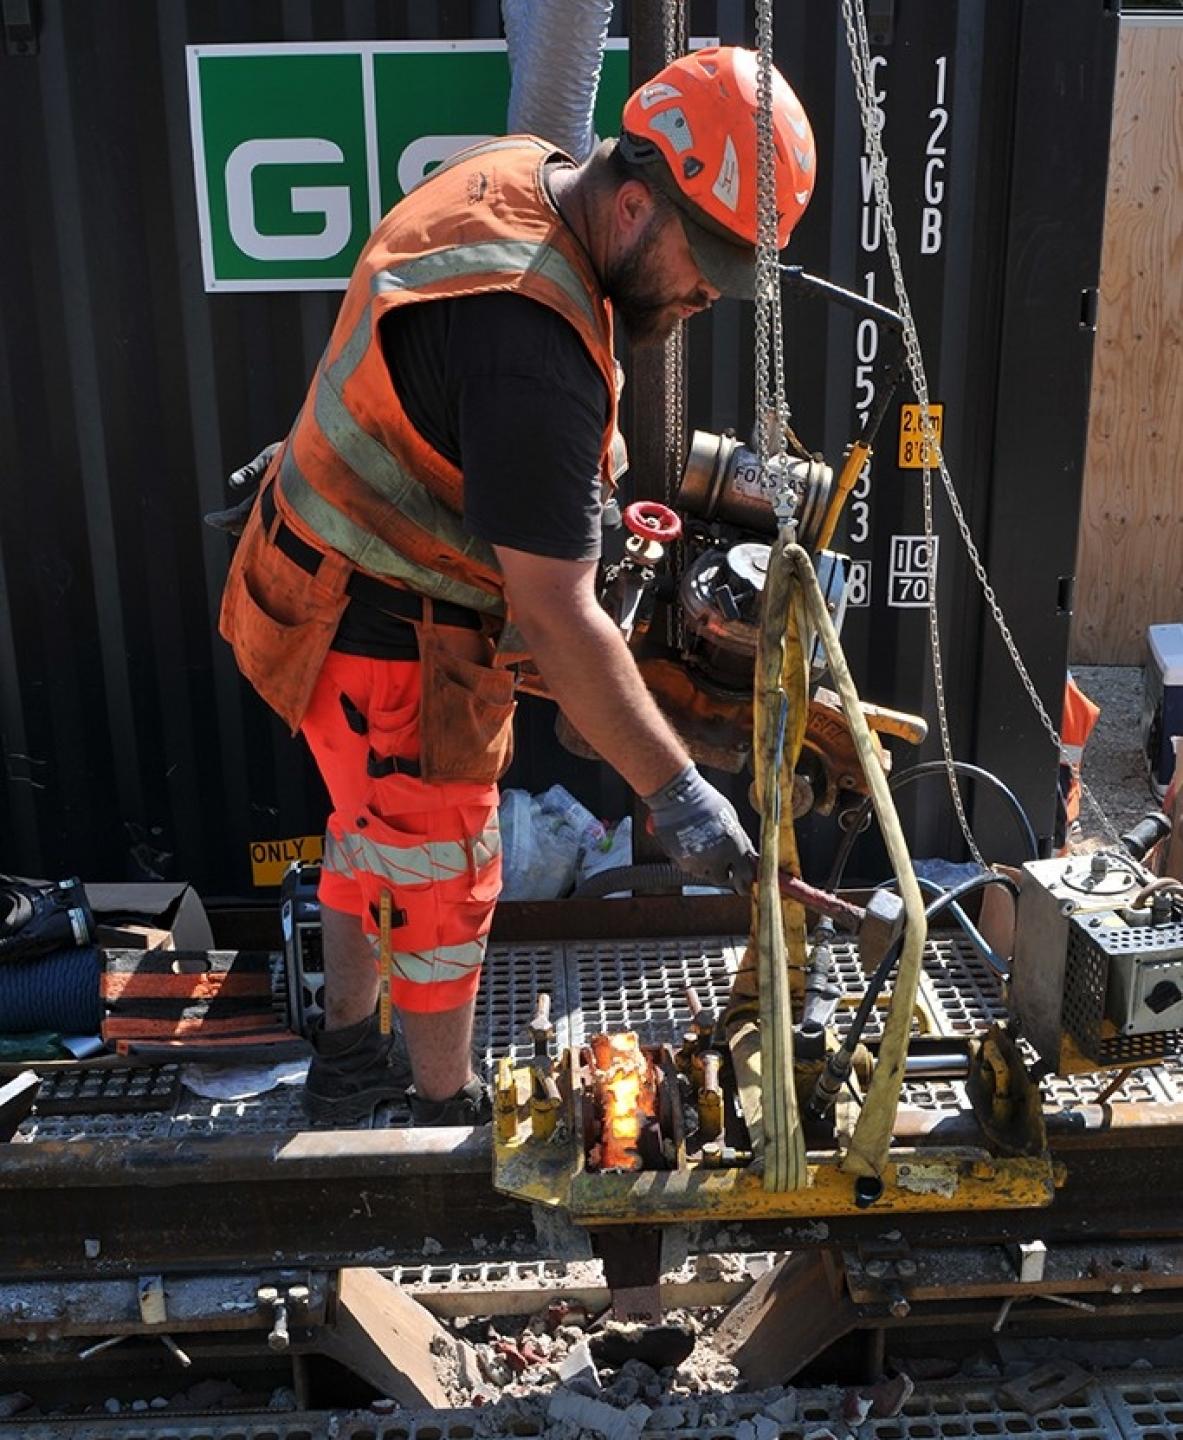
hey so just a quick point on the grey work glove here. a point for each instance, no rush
(244, 483)
(701, 832)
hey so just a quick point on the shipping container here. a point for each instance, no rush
(154, 334)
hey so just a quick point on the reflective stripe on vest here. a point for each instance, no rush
(488, 257)
(375, 465)
(369, 551)
(370, 460)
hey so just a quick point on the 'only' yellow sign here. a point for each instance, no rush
(271, 858)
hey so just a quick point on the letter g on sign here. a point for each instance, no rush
(329, 201)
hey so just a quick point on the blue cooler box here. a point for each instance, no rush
(1162, 702)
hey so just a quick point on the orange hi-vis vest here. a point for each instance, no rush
(354, 479)
(1079, 717)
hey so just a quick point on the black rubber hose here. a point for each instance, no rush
(643, 879)
(920, 772)
(885, 966)
(970, 887)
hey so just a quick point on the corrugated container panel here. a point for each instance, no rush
(127, 393)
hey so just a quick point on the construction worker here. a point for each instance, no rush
(434, 515)
(1079, 717)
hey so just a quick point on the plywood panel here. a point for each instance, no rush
(1130, 560)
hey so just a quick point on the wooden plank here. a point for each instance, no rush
(392, 1342)
(790, 1315)
(1129, 571)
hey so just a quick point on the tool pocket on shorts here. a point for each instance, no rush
(393, 738)
(280, 619)
(466, 715)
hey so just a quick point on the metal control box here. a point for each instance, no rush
(1093, 983)
(1144, 987)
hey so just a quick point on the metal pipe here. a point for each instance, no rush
(952, 1065)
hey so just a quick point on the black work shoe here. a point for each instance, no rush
(353, 1070)
(471, 1105)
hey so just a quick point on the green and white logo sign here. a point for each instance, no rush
(298, 150)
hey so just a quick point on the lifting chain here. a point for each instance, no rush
(771, 406)
(854, 17)
(675, 37)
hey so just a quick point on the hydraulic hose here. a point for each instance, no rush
(973, 934)
(649, 879)
(920, 772)
(983, 881)
(838, 1067)
(946, 900)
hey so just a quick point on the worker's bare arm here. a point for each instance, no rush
(588, 667)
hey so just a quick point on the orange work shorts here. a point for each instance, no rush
(435, 848)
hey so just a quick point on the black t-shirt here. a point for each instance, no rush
(504, 388)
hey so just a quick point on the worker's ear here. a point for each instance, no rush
(632, 209)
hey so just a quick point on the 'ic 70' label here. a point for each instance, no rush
(908, 575)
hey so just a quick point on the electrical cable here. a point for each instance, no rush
(919, 772)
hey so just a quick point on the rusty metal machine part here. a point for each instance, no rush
(715, 722)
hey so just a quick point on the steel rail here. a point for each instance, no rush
(105, 1208)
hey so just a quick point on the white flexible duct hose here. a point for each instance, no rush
(556, 49)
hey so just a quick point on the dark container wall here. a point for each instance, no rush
(131, 747)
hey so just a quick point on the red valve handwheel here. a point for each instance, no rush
(653, 521)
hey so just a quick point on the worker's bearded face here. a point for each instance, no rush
(651, 286)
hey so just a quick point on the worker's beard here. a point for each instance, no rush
(634, 285)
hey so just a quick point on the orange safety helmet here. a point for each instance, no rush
(698, 116)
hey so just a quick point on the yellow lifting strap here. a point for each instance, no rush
(780, 714)
(871, 1140)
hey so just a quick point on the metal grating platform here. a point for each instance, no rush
(1150, 1407)
(1123, 1406)
(638, 984)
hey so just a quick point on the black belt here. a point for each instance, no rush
(401, 604)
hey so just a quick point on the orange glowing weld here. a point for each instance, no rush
(626, 1097)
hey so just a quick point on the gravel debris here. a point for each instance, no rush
(1113, 767)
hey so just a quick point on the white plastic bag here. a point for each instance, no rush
(541, 837)
(611, 850)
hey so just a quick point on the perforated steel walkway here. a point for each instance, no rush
(598, 985)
